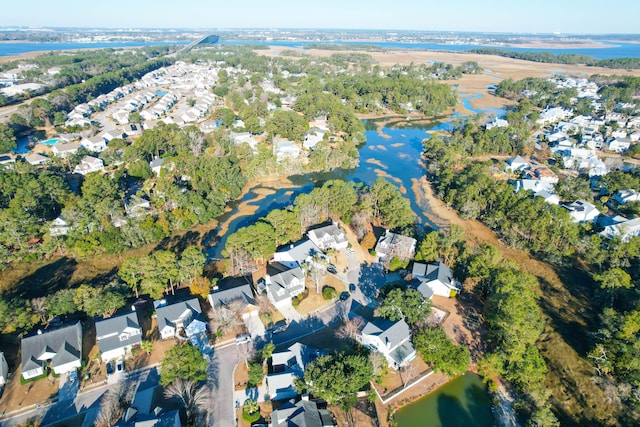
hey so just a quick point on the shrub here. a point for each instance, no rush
(256, 374)
(328, 292)
(250, 411)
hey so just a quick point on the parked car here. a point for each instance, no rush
(332, 269)
(111, 367)
(344, 296)
(242, 338)
(120, 366)
(350, 249)
(352, 287)
(279, 326)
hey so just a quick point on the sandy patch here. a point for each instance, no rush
(382, 147)
(397, 144)
(377, 163)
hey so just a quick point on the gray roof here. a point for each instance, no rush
(396, 245)
(281, 278)
(390, 332)
(3, 363)
(65, 342)
(330, 230)
(237, 293)
(431, 272)
(301, 250)
(295, 358)
(302, 414)
(169, 314)
(157, 162)
(108, 332)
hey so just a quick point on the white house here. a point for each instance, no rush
(548, 197)
(581, 211)
(286, 150)
(435, 279)
(239, 293)
(156, 165)
(626, 229)
(65, 150)
(283, 283)
(89, 164)
(36, 159)
(296, 254)
(185, 315)
(329, 236)
(116, 336)
(517, 163)
(391, 339)
(287, 365)
(619, 145)
(312, 137)
(4, 369)
(59, 226)
(497, 123)
(62, 348)
(95, 143)
(395, 245)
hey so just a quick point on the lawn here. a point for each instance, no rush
(316, 302)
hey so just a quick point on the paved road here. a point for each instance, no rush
(220, 380)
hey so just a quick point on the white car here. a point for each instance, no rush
(243, 338)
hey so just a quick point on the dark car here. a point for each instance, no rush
(332, 269)
(344, 296)
(279, 326)
(352, 287)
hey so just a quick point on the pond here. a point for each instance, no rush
(463, 402)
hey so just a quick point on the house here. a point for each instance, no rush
(118, 335)
(581, 211)
(156, 165)
(305, 413)
(4, 369)
(239, 293)
(95, 143)
(619, 145)
(624, 228)
(145, 410)
(137, 207)
(540, 172)
(36, 159)
(286, 150)
(297, 253)
(396, 245)
(185, 315)
(240, 138)
(208, 126)
(283, 283)
(392, 339)
(287, 365)
(113, 134)
(435, 279)
(312, 137)
(622, 197)
(329, 236)
(497, 123)
(548, 197)
(62, 348)
(59, 226)
(89, 164)
(517, 163)
(132, 129)
(65, 150)
(7, 160)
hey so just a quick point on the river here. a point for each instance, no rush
(613, 49)
(463, 402)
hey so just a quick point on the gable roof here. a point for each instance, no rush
(169, 314)
(391, 333)
(328, 232)
(396, 244)
(282, 280)
(298, 251)
(302, 414)
(109, 331)
(62, 346)
(241, 293)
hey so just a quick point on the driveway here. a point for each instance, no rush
(220, 379)
(254, 326)
(68, 386)
(287, 310)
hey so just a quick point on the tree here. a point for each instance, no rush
(185, 362)
(336, 378)
(543, 417)
(200, 286)
(130, 273)
(146, 346)
(316, 268)
(408, 304)
(435, 347)
(256, 374)
(613, 280)
(7, 139)
(195, 400)
(191, 263)
(113, 403)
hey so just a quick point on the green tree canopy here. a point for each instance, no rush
(183, 361)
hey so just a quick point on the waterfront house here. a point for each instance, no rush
(7, 161)
(497, 123)
(392, 245)
(59, 348)
(89, 164)
(623, 228)
(297, 253)
(117, 335)
(238, 291)
(287, 365)
(286, 150)
(181, 320)
(392, 339)
(435, 279)
(137, 207)
(312, 137)
(329, 236)
(4, 369)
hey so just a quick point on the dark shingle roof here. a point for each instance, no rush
(108, 332)
(237, 293)
(302, 414)
(167, 315)
(65, 342)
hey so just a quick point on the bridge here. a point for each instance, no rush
(208, 39)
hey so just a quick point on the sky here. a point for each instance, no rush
(522, 16)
